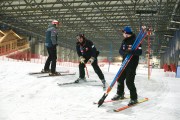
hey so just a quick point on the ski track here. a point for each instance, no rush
(26, 97)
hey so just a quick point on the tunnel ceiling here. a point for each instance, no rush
(100, 20)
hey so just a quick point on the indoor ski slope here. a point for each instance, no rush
(26, 97)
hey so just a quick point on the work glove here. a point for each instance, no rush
(129, 47)
(91, 60)
(82, 59)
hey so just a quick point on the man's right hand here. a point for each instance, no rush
(82, 59)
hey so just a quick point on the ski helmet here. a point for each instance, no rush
(81, 35)
(127, 30)
(55, 22)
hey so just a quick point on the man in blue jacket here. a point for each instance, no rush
(87, 52)
(51, 44)
(130, 70)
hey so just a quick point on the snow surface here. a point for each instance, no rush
(26, 97)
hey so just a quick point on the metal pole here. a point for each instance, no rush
(149, 50)
(110, 56)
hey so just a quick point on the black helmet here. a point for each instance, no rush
(81, 35)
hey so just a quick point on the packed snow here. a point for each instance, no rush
(27, 97)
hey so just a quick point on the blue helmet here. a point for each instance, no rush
(127, 30)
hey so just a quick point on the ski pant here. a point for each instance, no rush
(95, 67)
(51, 59)
(129, 75)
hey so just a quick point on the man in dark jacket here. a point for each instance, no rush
(130, 70)
(87, 53)
(51, 44)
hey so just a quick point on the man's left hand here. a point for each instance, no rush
(91, 60)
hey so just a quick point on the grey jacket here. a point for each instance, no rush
(51, 36)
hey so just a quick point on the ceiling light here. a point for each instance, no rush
(171, 28)
(175, 22)
(168, 35)
(163, 46)
(146, 11)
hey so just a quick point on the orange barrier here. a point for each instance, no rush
(165, 67)
(36, 58)
(173, 67)
(170, 68)
(23, 56)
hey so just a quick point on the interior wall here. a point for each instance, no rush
(172, 54)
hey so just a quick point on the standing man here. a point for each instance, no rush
(87, 53)
(51, 44)
(130, 70)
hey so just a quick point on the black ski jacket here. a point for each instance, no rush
(86, 49)
(136, 53)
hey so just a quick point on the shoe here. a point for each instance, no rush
(45, 71)
(118, 97)
(105, 85)
(132, 102)
(54, 73)
(79, 79)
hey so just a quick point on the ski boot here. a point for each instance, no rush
(45, 71)
(132, 102)
(80, 79)
(118, 97)
(105, 85)
(54, 74)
